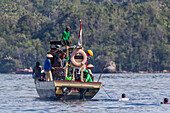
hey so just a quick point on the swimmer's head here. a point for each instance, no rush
(123, 95)
(165, 100)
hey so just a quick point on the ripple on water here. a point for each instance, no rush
(145, 91)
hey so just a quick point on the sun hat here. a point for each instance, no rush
(90, 65)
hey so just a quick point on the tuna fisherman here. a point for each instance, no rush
(90, 67)
(48, 67)
(87, 76)
(37, 71)
(66, 37)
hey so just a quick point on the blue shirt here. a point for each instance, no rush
(47, 65)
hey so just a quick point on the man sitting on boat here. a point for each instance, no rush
(37, 71)
(90, 67)
(66, 37)
(87, 76)
(48, 67)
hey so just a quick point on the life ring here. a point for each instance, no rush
(73, 61)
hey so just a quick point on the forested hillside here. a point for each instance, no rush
(135, 34)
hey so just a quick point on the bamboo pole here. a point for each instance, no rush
(102, 72)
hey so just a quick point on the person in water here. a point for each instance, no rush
(165, 101)
(37, 71)
(48, 67)
(87, 76)
(124, 98)
(66, 40)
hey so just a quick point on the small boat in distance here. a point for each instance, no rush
(24, 71)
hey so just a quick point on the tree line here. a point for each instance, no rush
(135, 34)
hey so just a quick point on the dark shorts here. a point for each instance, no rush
(63, 43)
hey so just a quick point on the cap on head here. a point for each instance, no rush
(90, 66)
(90, 52)
(49, 56)
(85, 71)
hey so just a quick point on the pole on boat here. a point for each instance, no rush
(102, 72)
(67, 55)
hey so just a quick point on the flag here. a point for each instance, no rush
(80, 35)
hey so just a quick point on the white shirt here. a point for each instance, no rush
(124, 99)
(89, 70)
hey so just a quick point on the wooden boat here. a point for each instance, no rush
(61, 88)
(24, 71)
(68, 89)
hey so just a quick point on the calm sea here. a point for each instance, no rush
(146, 91)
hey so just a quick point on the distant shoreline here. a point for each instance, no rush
(164, 71)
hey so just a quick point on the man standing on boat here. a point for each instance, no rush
(48, 67)
(37, 71)
(66, 37)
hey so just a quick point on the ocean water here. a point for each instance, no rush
(146, 91)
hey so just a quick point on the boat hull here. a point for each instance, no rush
(23, 72)
(67, 89)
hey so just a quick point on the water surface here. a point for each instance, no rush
(146, 91)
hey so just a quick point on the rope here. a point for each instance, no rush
(106, 93)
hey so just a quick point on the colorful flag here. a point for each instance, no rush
(80, 35)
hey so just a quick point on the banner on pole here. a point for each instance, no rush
(80, 35)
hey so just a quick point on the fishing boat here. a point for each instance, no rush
(68, 82)
(24, 71)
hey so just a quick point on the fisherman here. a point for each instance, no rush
(90, 67)
(124, 98)
(48, 67)
(89, 52)
(58, 61)
(37, 71)
(87, 76)
(64, 60)
(66, 37)
(165, 101)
